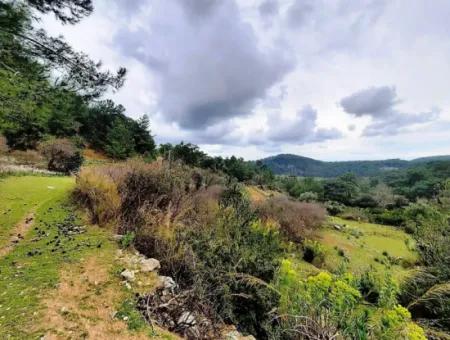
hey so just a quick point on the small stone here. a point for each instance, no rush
(64, 310)
(15, 239)
(167, 282)
(128, 275)
(186, 319)
(127, 285)
(337, 227)
(117, 237)
(149, 265)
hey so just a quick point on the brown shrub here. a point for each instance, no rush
(154, 188)
(139, 194)
(97, 191)
(297, 220)
(28, 157)
(62, 155)
(3, 145)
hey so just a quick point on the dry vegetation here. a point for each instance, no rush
(297, 220)
(222, 250)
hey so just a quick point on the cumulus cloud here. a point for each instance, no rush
(299, 12)
(374, 101)
(298, 130)
(269, 8)
(379, 103)
(206, 61)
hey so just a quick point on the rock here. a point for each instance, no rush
(186, 319)
(117, 237)
(15, 239)
(64, 311)
(235, 335)
(167, 282)
(128, 275)
(149, 265)
(337, 227)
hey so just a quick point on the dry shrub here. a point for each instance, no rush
(203, 207)
(154, 189)
(62, 155)
(297, 220)
(3, 145)
(97, 190)
(28, 157)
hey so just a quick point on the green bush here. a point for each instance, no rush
(313, 252)
(127, 239)
(325, 306)
(320, 306)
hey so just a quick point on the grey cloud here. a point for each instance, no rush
(300, 130)
(299, 12)
(372, 101)
(331, 26)
(397, 122)
(199, 8)
(268, 8)
(222, 133)
(206, 74)
(379, 104)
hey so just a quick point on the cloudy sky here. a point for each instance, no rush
(328, 79)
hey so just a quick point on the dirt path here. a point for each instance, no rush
(17, 234)
(84, 304)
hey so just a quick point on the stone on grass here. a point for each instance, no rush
(149, 265)
(167, 282)
(128, 275)
(186, 319)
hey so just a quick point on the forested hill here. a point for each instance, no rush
(288, 164)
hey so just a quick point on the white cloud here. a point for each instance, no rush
(217, 72)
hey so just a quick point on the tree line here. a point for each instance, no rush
(49, 90)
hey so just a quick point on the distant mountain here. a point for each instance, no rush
(431, 159)
(288, 164)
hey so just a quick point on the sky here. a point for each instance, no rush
(327, 79)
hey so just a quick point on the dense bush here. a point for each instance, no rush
(62, 155)
(227, 262)
(326, 306)
(313, 252)
(227, 255)
(297, 220)
(96, 190)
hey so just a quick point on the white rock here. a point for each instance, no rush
(149, 265)
(186, 319)
(117, 237)
(167, 282)
(128, 275)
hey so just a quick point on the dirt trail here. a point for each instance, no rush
(17, 234)
(82, 307)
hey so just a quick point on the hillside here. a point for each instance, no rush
(288, 164)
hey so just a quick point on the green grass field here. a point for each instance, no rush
(363, 246)
(57, 242)
(21, 195)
